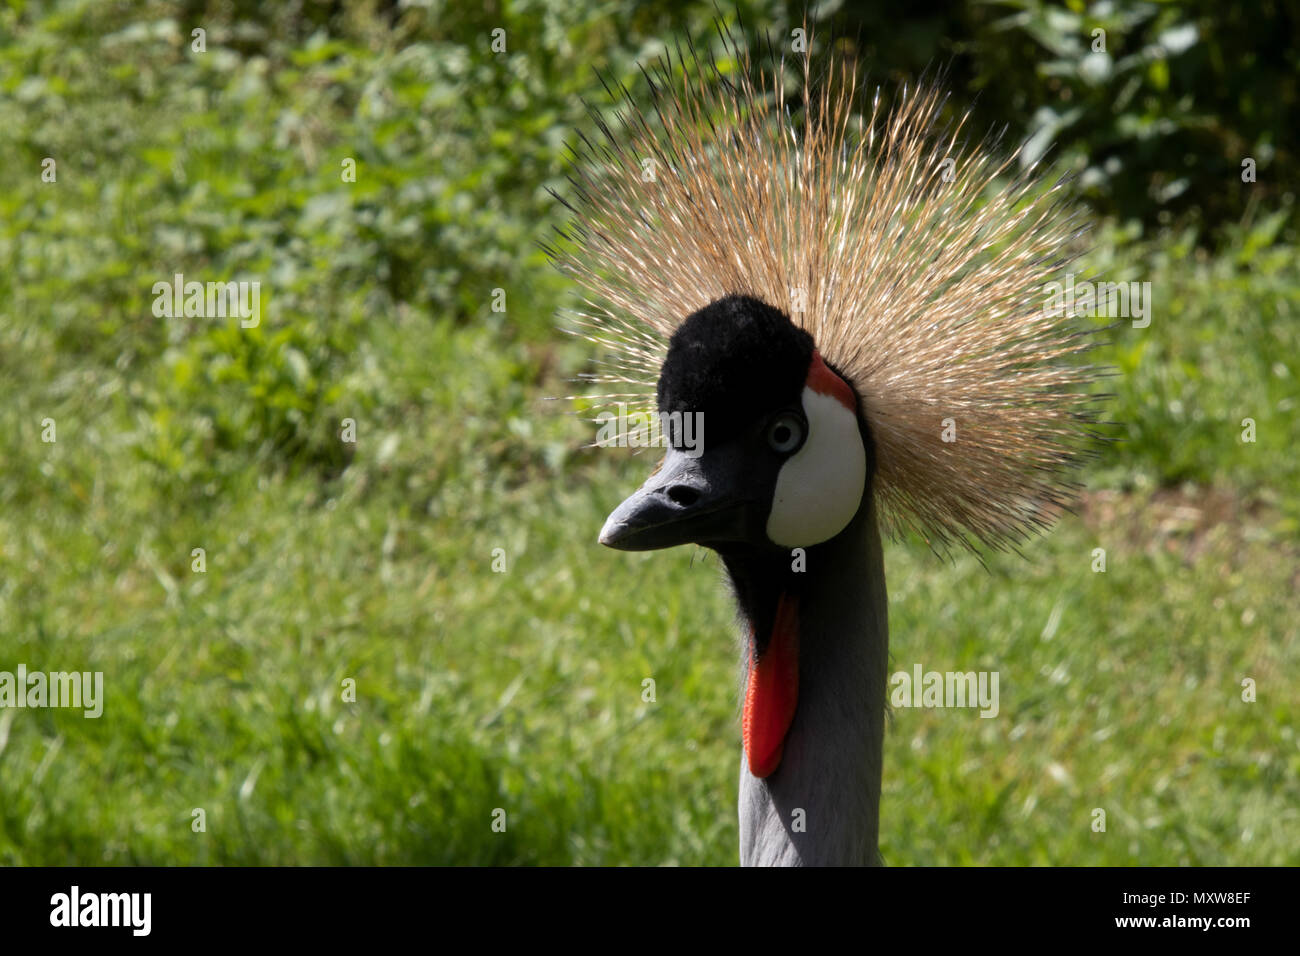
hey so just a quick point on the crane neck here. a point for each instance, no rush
(820, 806)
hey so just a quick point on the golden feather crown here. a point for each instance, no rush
(917, 262)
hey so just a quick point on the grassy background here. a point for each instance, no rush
(522, 690)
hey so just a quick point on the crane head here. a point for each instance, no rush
(781, 460)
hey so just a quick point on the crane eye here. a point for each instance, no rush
(786, 432)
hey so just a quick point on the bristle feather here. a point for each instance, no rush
(925, 294)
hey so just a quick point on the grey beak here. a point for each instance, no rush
(706, 500)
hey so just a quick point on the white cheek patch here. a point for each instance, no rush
(819, 488)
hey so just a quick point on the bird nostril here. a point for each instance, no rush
(683, 495)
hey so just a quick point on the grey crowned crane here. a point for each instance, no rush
(853, 304)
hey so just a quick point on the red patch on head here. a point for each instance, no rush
(772, 691)
(825, 382)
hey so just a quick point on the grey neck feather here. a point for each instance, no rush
(830, 769)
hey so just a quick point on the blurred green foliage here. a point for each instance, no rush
(1154, 105)
(227, 164)
(1157, 104)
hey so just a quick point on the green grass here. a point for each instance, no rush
(522, 690)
